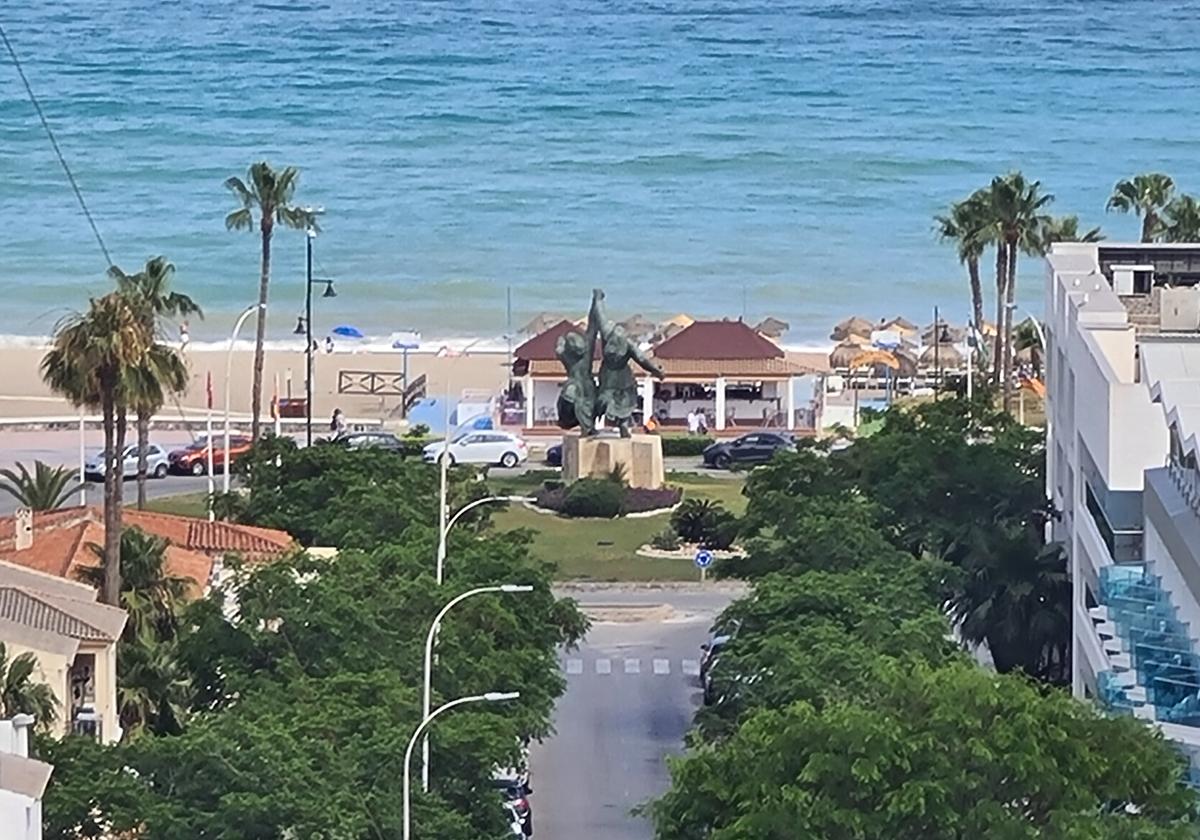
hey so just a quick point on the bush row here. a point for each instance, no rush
(603, 498)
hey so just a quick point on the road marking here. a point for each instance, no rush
(662, 666)
(574, 666)
(603, 666)
(691, 667)
(633, 666)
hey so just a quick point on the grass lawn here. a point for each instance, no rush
(185, 504)
(605, 549)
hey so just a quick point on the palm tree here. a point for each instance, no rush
(1145, 195)
(1025, 337)
(1017, 206)
(965, 225)
(1066, 229)
(269, 193)
(47, 488)
(1181, 220)
(89, 364)
(149, 292)
(20, 694)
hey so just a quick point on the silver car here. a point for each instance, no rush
(157, 463)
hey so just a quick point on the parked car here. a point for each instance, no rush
(485, 446)
(369, 440)
(711, 650)
(554, 455)
(157, 463)
(193, 459)
(753, 448)
(515, 792)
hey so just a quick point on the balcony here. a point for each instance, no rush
(1124, 544)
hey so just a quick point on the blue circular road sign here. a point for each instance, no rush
(703, 559)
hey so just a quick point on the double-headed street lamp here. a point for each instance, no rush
(304, 325)
(490, 697)
(433, 629)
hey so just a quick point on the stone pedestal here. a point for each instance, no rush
(595, 457)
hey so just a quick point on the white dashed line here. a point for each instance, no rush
(574, 666)
(662, 666)
(603, 666)
(633, 666)
(691, 667)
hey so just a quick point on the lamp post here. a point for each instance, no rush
(446, 523)
(490, 697)
(433, 629)
(310, 234)
(237, 327)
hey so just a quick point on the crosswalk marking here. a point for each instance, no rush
(577, 666)
(633, 666)
(603, 666)
(691, 667)
(662, 666)
(574, 666)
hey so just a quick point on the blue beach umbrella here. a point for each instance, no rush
(347, 331)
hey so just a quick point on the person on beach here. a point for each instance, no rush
(184, 337)
(328, 344)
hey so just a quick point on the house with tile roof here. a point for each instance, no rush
(727, 369)
(74, 640)
(62, 542)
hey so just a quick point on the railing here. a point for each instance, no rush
(1187, 481)
(371, 383)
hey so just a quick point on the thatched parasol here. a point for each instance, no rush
(946, 355)
(542, 322)
(772, 327)
(638, 326)
(907, 360)
(946, 333)
(844, 354)
(852, 326)
(905, 327)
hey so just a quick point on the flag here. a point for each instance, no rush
(208, 389)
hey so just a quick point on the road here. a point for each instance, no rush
(631, 693)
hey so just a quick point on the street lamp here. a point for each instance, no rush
(445, 524)
(306, 319)
(433, 629)
(237, 327)
(490, 697)
(1049, 409)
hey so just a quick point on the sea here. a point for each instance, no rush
(481, 161)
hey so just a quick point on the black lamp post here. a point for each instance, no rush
(306, 322)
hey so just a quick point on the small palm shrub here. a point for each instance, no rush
(705, 523)
(666, 540)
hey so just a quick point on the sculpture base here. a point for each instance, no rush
(597, 457)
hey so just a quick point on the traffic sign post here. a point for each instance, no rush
(703, 560)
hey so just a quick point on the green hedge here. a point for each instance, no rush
(683, 446)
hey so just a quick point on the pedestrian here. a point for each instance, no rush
(184, 337)
(701, 422)
(328, 344)
(692, 422)
(337, 423)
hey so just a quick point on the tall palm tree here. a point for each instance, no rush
(1017, 207)
(1145, 195)
(20, 694)
(1181, 220)
(1066, 229)
(46, 488)
(269, 193)
(965, 225)
(89, 364)
(149, 292)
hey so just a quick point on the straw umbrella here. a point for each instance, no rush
(542, 322)
(903, 326)
(852, 326)
(772, 327)
(942, 333)
(844, 355)
(944, 355)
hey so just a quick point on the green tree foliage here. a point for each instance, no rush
(947, 753)
(1145, 196)
(46, 488)
(21, 693)
(1181, 220)
(966, 225)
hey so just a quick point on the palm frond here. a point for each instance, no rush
(47, 488)
(244, 196)
(240, 220)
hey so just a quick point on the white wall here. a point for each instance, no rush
(20, 816)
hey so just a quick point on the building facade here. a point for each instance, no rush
(1122, 333)
(22, 782)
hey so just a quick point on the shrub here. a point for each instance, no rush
(420, 430)
(722, 531)
(706, 523)
(666, 540)
(554, 496)
(594, 497)
(641, 499)
(680, 446)
(619, 474)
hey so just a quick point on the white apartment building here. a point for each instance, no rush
(1122, 328)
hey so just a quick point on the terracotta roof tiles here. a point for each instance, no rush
(718, 341)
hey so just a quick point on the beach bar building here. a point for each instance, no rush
(735, 375)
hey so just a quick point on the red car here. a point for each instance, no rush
(193, 459)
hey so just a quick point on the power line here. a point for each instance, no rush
(53, 142)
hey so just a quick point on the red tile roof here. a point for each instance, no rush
(718, 340)
(541, 346)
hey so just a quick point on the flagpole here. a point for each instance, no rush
(212, 487)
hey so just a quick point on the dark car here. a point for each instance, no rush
(554, 455)
(370, 440)
(754, 448)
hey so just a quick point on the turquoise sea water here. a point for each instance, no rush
(710, 156)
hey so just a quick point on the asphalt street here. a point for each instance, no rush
(632, 691)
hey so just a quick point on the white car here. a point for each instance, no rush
(481, 446)
(157, 463)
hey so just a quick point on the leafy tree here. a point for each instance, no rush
(947, 753)
(966, 225)
(1146, 196)
(20, 693)
(47, 488)
(1181, 220)
(163, 371)
(269, 193)
(89, 364)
